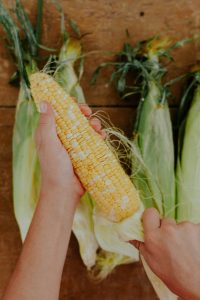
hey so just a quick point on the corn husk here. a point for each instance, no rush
(155, 141)
(188, 162)
(26, 171)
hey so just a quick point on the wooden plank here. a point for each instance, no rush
(106, 22)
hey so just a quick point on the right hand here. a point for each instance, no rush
(172, 251)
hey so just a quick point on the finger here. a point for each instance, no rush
(184, 223)
(85, 109)
(140, 246)
(168, 221)
(46, 128)
(137, 244)
(96, 124)
(47, 117)
(150, 219)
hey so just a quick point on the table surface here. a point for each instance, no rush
(105, 22)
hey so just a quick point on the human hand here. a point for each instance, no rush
(56, 168)
(172, 252)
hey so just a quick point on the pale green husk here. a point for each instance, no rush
(188, 164)
(26, 172)
(155, 141)
(70, 52)
(26, 169)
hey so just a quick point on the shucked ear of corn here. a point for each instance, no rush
(89, 226)
(96, 166)
(67, 77)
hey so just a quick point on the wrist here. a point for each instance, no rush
(58, 196)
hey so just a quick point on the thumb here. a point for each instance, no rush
(47, 118)
(46, 131)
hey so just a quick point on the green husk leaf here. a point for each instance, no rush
(12, 32)
(155, 141)
(27, 27)
(65, 73)
(38, 29)
(75, 28)
(188, 163)
(26, 169)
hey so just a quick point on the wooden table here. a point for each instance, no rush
(105, 22)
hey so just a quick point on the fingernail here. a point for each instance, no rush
(43, 107)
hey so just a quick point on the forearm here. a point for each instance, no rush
(39, 269)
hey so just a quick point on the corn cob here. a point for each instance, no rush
(94, 163)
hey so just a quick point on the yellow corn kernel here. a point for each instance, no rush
(91, 157)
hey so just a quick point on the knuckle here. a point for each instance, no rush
(149, 211)
(167, 221)
(169, 229)
(146, 213)
(186, 225)
(44, 121)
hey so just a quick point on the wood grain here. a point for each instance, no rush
(105, 22)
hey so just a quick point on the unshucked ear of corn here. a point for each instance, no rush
(97, 167)
(26, 170)
(188, 162)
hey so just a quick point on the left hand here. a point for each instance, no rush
(56, 168)
(172, 252)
